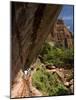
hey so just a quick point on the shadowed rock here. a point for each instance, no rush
(31, 24)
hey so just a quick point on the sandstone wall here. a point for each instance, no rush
(60, 34)
(30, 26)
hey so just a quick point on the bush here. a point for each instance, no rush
(48, 83)
(57, 56)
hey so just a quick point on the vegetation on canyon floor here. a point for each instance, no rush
(58, 56)
(47, 82)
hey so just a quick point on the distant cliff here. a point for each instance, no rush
(61, 35)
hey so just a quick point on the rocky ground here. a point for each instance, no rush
(64, 75)
(24, 86)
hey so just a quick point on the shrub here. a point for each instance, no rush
(57, 56)
(48, 83)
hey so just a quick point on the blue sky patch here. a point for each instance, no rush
(67, 14)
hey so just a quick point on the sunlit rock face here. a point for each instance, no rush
(30, 26)
(61, 34)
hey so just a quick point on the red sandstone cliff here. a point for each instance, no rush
(60, 34)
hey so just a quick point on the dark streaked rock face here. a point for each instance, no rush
(31, 24)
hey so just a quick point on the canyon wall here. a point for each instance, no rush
(30, 25)
(61, 35)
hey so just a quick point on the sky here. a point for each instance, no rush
(67, 15)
